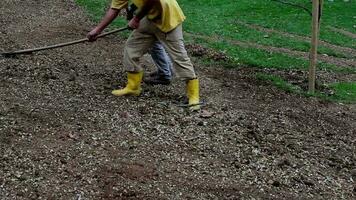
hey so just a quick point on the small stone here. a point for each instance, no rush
(225, 108)
(72, 77)
(125, 115)
(353, 173)
(276, 183)
(206, 114)
(283, 162)
(202, 123)
(308, 183)
(73, 136)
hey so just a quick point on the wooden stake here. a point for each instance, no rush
(314, 46)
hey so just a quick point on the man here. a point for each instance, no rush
(163, 74)
(156, 20)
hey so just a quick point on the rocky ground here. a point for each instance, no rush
(64, 136)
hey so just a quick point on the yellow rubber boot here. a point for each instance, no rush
(133, 86)
(193, 94)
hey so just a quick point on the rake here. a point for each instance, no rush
(26, 51)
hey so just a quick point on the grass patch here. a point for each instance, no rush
(96, 9)
(339, 92)
(344, 91)
(262, 59)
(279, 82)
(217, 17)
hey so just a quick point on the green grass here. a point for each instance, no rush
(217, 17)
(96, 9)
(342, 92)
(224, 19)
(345, 91)
(262, 59)
(279, 82)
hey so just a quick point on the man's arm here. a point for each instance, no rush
(110, 15)
(146, 8)
(135, 22)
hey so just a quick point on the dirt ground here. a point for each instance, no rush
(64, 136)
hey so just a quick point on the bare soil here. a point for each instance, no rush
(64, 136)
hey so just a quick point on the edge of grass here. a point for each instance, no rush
(342, 92)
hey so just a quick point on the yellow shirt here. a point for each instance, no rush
(119, 4)
(166, 16)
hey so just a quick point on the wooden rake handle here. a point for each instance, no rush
(61, 44)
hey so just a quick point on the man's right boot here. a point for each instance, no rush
(133, 86)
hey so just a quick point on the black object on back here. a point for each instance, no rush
(131, 11)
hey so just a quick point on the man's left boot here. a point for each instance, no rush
(133, 87)
(157, 79)
(193, 94)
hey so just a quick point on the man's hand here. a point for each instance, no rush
(110, 15)
(134, 23)
(93, 34)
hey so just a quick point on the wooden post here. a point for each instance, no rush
(314, 46)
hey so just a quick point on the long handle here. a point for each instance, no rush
(61, 44)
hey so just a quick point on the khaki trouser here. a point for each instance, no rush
(142, 39)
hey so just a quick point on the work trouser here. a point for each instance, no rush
(143, 38)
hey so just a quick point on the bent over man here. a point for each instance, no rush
(156, 20)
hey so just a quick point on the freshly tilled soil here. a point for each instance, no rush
(64, 136)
